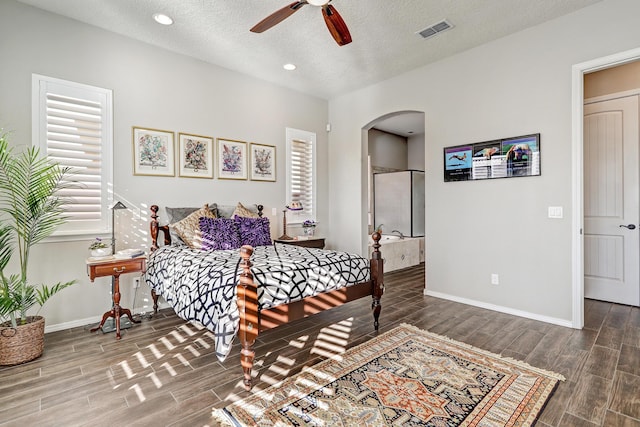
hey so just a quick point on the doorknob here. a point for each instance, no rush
(629, 227)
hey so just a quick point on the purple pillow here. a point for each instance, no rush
(219, 233)
(254, 231)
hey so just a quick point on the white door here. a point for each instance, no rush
(611, 205)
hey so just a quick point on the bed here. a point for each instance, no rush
(242, 292)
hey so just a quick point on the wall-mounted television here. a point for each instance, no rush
(500, 158)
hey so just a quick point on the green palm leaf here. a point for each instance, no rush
(6, 246)
(30, 211)
(44, 292)
(9, 304)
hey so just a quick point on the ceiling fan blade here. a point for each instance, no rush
(336, 25)
(278, 16)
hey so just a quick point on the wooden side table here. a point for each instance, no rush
(312, 242)
(114, 268)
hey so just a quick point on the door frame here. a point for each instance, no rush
(577, 184)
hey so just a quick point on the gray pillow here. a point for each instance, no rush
(225, 211)
(176, 214)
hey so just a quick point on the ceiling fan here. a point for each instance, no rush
(332, 18)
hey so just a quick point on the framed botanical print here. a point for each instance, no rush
(232, 159)
(195, 156)
(262, 159)
(153, 152)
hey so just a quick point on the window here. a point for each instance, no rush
(73, 127)
(301, 176)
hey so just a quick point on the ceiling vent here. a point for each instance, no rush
(435, 29)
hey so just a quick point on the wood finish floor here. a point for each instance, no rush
(164, 373)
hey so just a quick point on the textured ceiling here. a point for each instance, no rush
(384, 44)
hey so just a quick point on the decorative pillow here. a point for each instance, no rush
(226, 211)
(177, 214)
(254, 231)
(213, 207)
(219, 233)
(245, 212)
(188, 228)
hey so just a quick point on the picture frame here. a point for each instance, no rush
(153, 152)
(231, 159)
(195, 156)
(262, 160)
(516, 156)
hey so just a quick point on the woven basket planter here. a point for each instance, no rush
(21, 344)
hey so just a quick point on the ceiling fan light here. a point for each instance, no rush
(317, 2)
(289, 67)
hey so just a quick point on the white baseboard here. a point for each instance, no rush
(73, 324)
(89, 320)
(501, 309)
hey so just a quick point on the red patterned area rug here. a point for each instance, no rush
(406, 377)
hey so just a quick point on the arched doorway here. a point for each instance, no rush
(394, 142)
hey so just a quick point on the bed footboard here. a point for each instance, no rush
(247, 294)
(253, 321)
(377, 277)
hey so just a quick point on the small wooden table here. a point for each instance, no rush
(114, 268)
(311, 242)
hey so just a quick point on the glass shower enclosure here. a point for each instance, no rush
(399, 202)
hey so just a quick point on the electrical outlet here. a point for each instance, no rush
(495, 279)
(274, 212)
(136, 282)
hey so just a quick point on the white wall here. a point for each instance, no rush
(153, 88)
(517, 85)
(388, 150)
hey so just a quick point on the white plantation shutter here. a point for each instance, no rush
(74, 130)
(301, 173)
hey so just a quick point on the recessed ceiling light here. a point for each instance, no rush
(289, 67)
(163, 19)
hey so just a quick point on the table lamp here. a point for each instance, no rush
(119, 205)
(294, 206)
(110, 324)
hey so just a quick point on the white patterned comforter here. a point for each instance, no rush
(201, 285)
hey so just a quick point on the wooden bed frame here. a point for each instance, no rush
(254, 321)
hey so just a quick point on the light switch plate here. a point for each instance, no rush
(555, 212)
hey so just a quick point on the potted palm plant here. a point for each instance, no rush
(30, 210)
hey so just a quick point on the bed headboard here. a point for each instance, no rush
(155, 227)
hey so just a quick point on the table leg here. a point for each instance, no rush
(127, 312)
(112, 312)
(116, 301)
(116, 311)
(104, 318)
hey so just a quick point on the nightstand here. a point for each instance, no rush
(311, 242)
(114, 268)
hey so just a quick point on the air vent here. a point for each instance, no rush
(435, 29)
